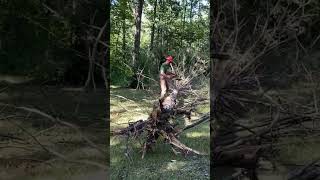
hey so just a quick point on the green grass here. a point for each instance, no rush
(161, 163)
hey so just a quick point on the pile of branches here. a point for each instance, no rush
(239, 141)
(236, 86)
(235, 95)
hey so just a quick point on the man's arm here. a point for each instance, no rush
(168, 75)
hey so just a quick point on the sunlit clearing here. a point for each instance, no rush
(174, 166)
(197, 134)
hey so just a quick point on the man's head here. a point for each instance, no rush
(169, 59)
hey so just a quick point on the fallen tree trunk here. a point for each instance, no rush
(158, 124)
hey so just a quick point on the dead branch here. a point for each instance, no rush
(204, 118)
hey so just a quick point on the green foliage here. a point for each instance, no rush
(46, 39)
(28, 38)
(175, 32)
(120, 72)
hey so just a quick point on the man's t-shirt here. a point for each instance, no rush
(164, 68)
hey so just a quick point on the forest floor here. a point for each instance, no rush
(24, 158)
(161, 163)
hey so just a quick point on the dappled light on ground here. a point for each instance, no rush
(175, 165)
(197, 134)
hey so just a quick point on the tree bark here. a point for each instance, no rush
(153, 25)
(184, 19)
(90, 78)
(91, 57)
(191, 7)
(106, 70)
(138, 17)
(123, 32)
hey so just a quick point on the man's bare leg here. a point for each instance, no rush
(163, 87)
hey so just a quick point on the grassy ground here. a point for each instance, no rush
(130, 105)
(26, 159)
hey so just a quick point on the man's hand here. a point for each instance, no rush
(168, 75)
(171, 75)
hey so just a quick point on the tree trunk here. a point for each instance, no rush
(91, 57)
(199, 17)
(184, 11)
(153, 25)
(190, 16)
(138, 17)
(123, 34)
(184, 19)
(191, 7)
(118, 36)
(90, 75)
(105, 70)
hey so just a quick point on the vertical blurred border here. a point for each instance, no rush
(108, 4)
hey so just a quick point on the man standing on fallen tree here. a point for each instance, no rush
(166, 75)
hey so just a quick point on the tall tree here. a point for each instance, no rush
(123, 14)
(137, 35)
(153, 23)
(191, 9)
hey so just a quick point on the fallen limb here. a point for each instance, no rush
(203, 119)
